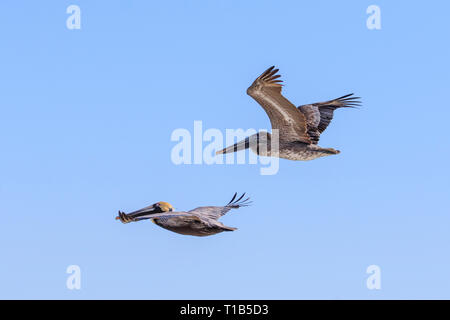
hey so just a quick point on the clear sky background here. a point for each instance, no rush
(85, 125)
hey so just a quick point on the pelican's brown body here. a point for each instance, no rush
(297, 151)
(191, 225)
(304, 152)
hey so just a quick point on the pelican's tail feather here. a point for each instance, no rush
(225, 228)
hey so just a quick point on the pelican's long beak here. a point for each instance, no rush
(138, 214)
(241, 145)
(144, 213)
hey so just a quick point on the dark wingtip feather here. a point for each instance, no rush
(237, 200)
(346, 96)
(232, 199)
(270, 77)
(236, 203)
(349, 101)
(265, 73)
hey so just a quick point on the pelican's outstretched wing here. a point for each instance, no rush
(126, 218)
(216, 212)
(283, 115)
(319, 115)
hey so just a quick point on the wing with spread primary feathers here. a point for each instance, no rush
(319, 115)
(216, 212)
(283, 115)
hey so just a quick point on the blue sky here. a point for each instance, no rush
(85, 126)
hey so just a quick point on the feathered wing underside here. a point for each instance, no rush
(283, 115)
(216, 212)
(319, 115)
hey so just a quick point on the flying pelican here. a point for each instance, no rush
(201, 221)
(299, 128)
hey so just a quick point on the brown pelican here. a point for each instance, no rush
(201, 221)
(299, 128)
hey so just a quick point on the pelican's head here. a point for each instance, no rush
(162, 207)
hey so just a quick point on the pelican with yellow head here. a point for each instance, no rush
(201, 221)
